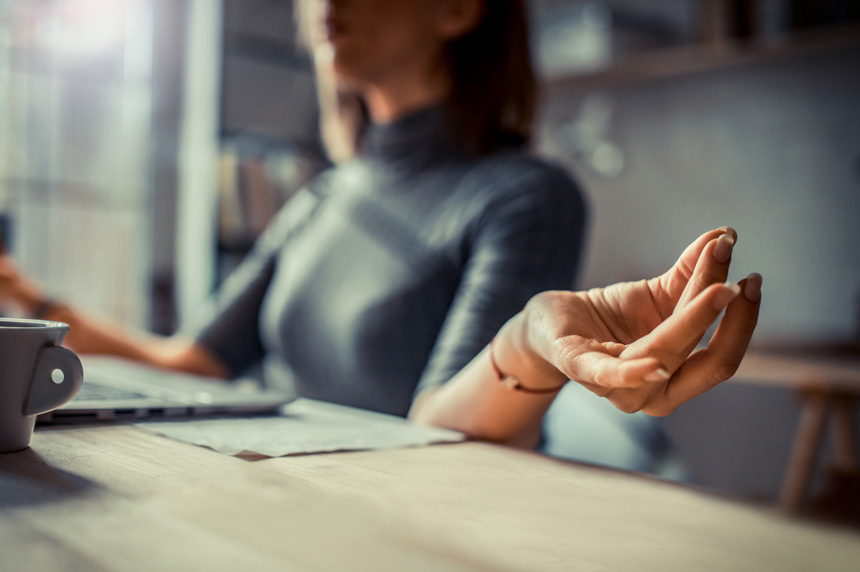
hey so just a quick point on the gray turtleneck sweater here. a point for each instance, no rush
(390, 272)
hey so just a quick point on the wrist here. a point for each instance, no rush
(513, 356)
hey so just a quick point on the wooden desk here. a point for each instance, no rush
(115, 498)
(827, 388)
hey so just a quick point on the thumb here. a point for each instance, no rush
(588, 361)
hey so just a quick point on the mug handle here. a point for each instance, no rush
(48, 389)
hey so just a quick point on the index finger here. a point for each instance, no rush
(669, 287)
(712, 267)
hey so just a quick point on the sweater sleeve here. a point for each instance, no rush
(528, 239)
(229, 326)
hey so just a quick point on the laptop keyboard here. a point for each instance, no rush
(96, 392)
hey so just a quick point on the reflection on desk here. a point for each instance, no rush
(116, 498)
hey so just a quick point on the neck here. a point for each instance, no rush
(403, 93)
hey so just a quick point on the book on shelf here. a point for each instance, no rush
(252, 188)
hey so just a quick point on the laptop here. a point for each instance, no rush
(120, 390)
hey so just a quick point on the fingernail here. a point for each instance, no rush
(729, 230)
(723, 249)
(657, 375)
(726, 295)
(752, 290)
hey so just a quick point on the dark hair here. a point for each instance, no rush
(493, 87)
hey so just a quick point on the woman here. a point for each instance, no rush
(383, 283)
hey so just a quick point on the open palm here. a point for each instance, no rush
(633, 342)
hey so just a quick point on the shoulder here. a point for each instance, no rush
(515, 164)
(523, 181)
(298, 210)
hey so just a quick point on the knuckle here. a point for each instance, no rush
(539, 299)
(667, 357)
(703, 317)
(724, 370)
(597, 390)
(547, 299)
(661, 409)
(630, 408)
(601, 391)
(608, 378)
(628, 405)
(600, 379)
(630, 383)
(703, 280)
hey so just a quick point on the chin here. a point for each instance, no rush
(345, 61)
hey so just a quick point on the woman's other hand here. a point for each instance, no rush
(633, 342)
(93, 335)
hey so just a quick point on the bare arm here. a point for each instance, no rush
(91, 335)
(475, 403)
(630, 343)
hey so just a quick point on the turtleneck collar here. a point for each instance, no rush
(412, 142)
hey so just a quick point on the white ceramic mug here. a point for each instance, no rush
(37, 375)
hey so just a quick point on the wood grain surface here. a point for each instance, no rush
(116, 498)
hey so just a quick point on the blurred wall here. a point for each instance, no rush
(771, 148)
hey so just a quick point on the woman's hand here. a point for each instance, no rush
(90, 334)
(632, 342)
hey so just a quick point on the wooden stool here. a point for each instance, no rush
(829, 388)
(819, 404)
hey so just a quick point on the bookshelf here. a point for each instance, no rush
(254, 181)
(268, 139)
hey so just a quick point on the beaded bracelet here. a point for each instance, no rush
(511, 382)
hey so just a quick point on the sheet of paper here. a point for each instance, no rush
(305, 426)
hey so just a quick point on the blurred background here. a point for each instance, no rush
(144, 144)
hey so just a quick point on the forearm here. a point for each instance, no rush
(92, 335)
(478, 404)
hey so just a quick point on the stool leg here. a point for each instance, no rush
(843, 433)
(804, 452)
